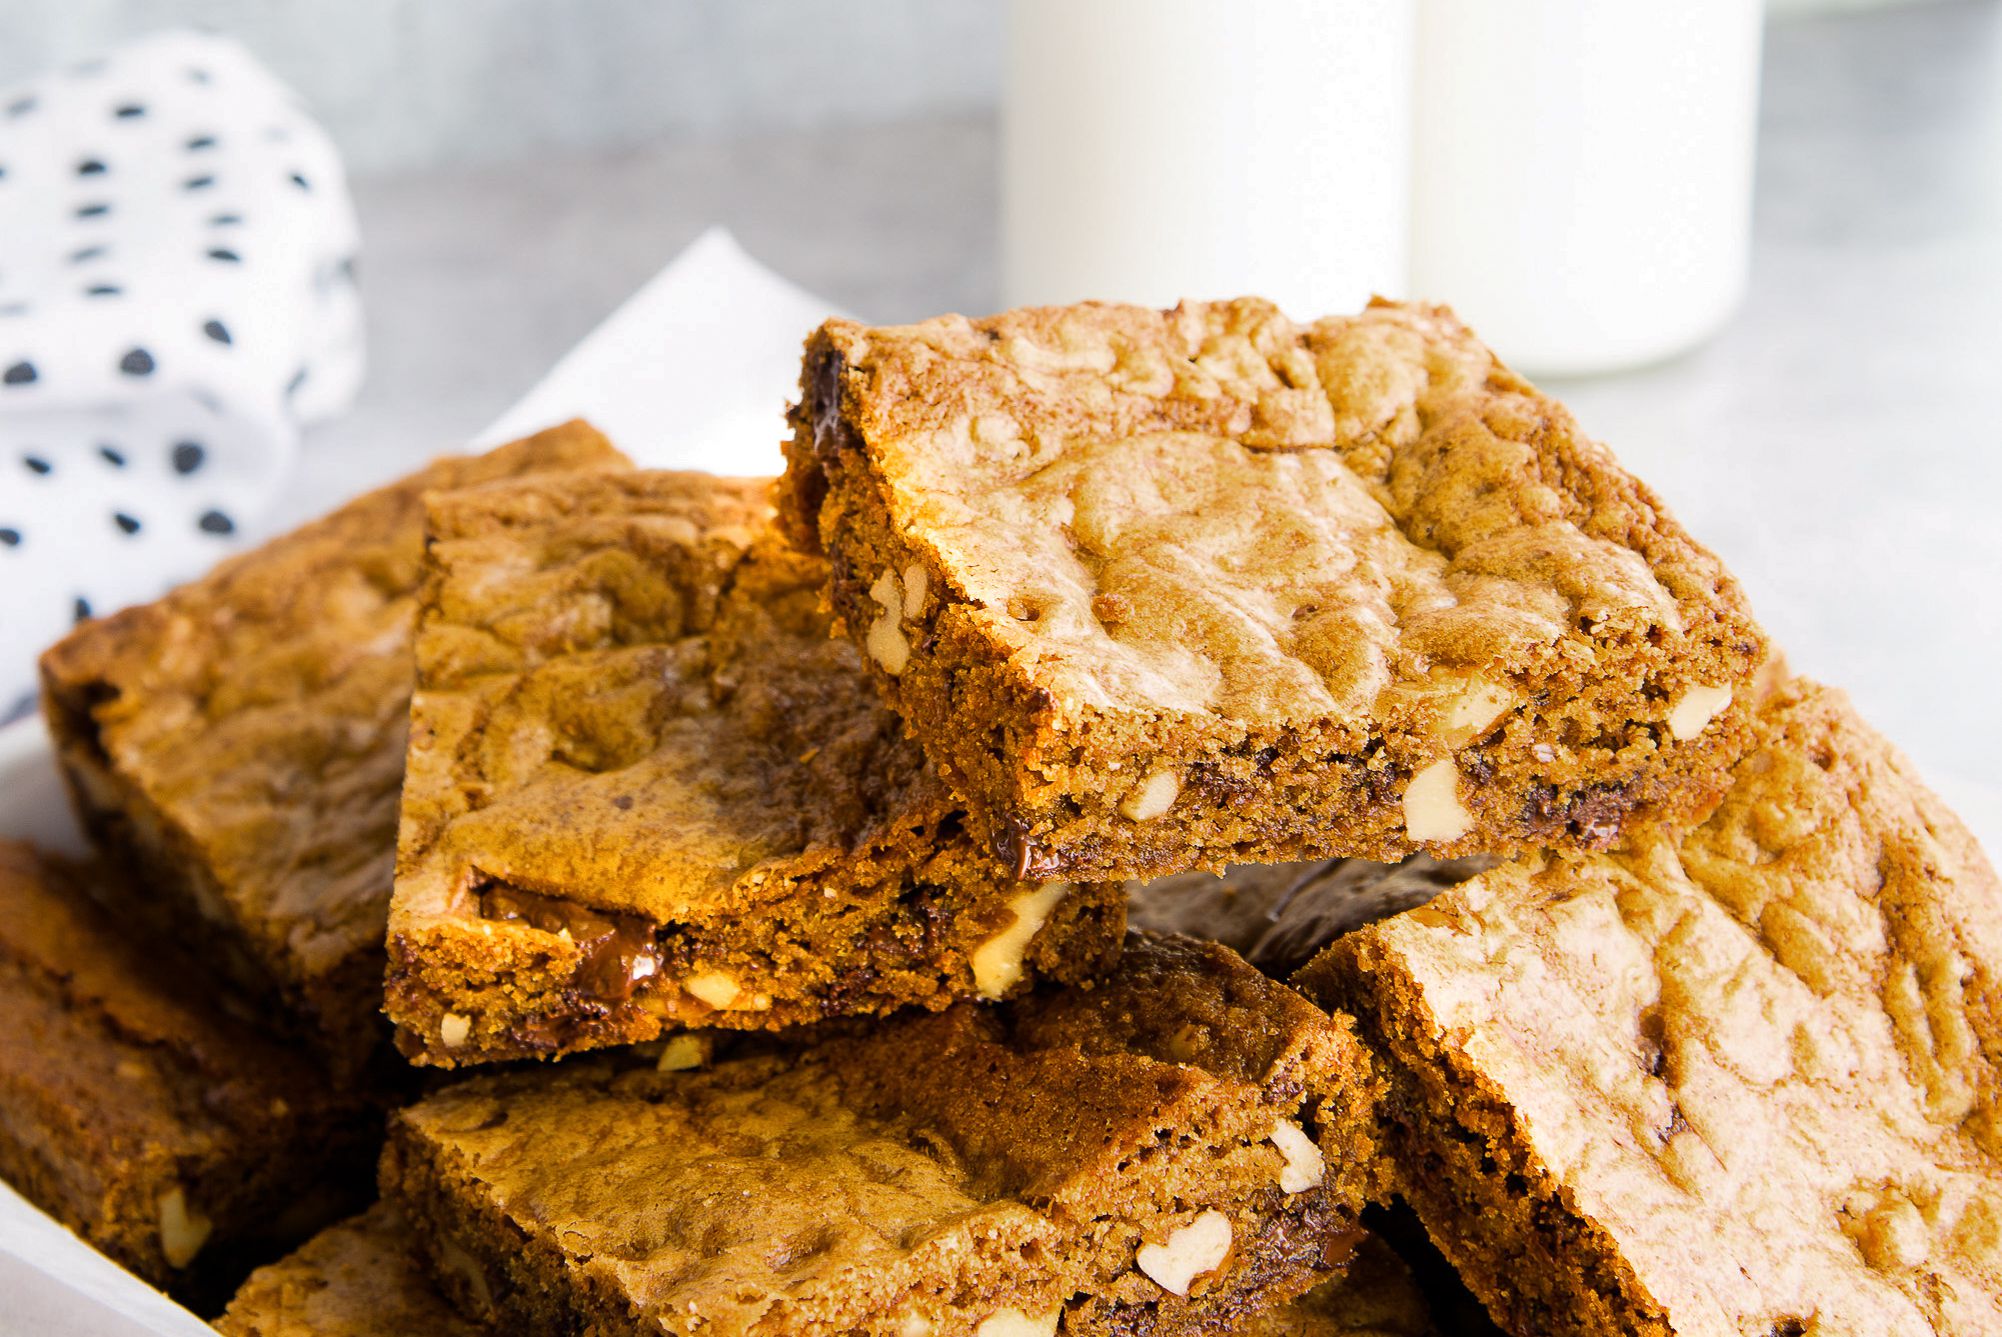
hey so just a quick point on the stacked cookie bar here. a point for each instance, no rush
(844, 852)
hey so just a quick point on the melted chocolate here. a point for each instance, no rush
(618, 950)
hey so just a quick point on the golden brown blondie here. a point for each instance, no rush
(356, 1279)
(240, 742)
(142, 1107)
(1739, 1080)
(1182, 1145)
(1203, 587)
(648, 791)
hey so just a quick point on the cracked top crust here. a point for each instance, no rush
(260, 710)
(1214, 510)
(629, 698)
(1765, 1059)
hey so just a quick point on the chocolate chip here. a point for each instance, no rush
(136, 362)
(92, 210)
(299, 180)
(10, 538)
(80, 610)
(226, 254)
(21, 373)
(216, 330)
(87, 253)
(215, 522)
(127, 523)
(90, 167)
(200, 142)
(112, 456)
(198, 183)
(103, 290)
(37, 465)
(130, 111)
(187, 456)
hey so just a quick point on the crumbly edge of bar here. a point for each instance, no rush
(1046, 791)
(1459, 1155)
(518, 990)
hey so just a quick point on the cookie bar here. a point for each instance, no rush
(356, 1279)
(359, 1279)
(1741, 1081)
(1204, 587)
(142, 1111)
(1280, 916)
(241, 740)
(647, 791)
(1183, 1144)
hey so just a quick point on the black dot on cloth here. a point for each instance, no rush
(37, 465)
(92, 210)
(20, 106)
(103, 290)
(215, 522)
(299, 180)
(21, 373)
(292, 386)
(136, 362)
(198, 183)
(113, 456)
(10, 537)
(80, 610)
(91, 167)
(217, 331)
(131, 111)
(225, 254)
(225, 220)
(200, 142)
(126, 523)
(88, 253)
(187, 456)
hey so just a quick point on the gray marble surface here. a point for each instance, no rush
(1838, 444)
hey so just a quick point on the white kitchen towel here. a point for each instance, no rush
(177, 298)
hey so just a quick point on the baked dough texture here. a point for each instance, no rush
(1738, 1079)
(1161, 589)
(1179, 1147)
(648, 790)
(240, 742)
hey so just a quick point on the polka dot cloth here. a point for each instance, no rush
(177, 298)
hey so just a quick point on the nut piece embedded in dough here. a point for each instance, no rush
(682, 1052)
(1015, 1323)
(1305, 1166)
(718, 988)
(885, 641)
(997, 963)
(183, 1230)
(1432, 807)
(453, 1029)
(1151, 797)
(1693, 713)
(915, 584)
(1198, 1247)
(1476, 706)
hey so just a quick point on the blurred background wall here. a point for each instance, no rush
(400, 82)
(403, 83)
